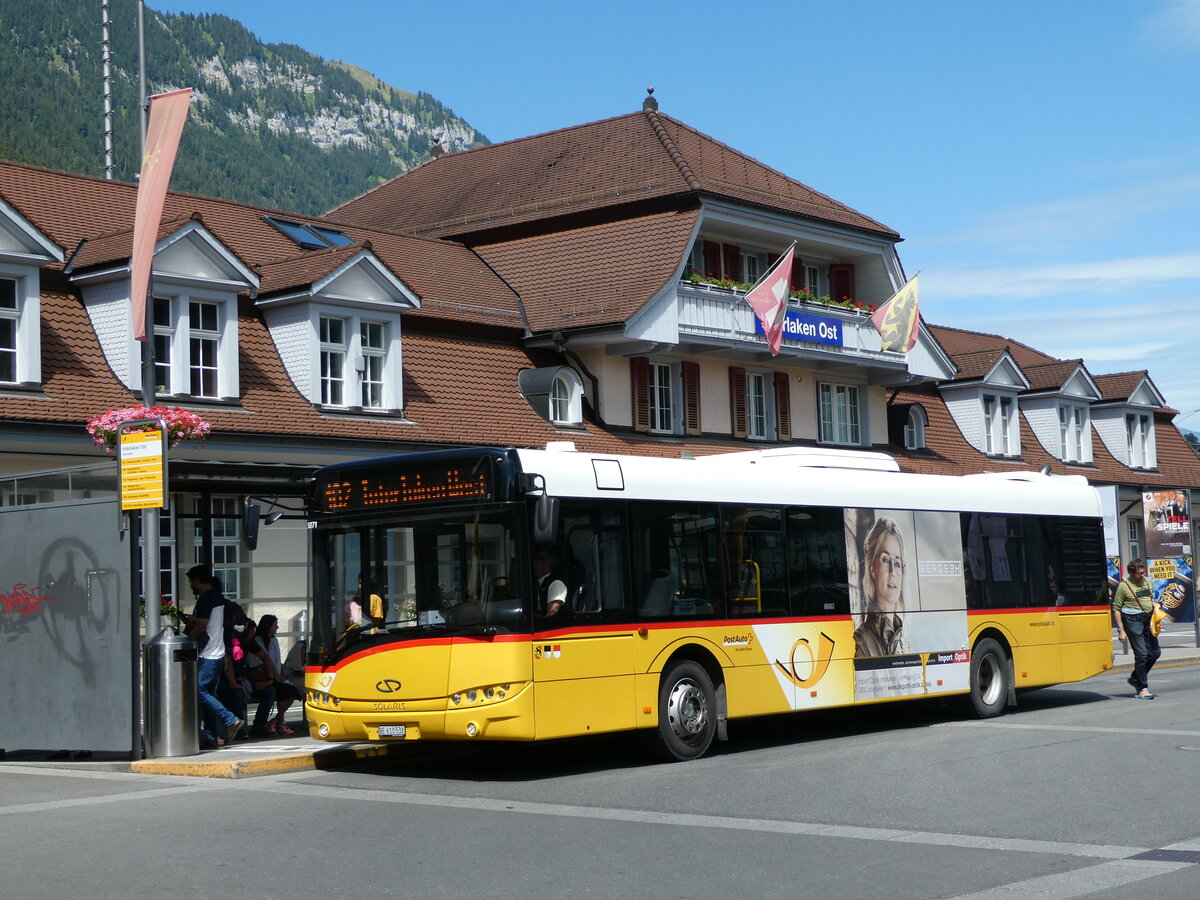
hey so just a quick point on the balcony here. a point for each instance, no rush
(829, 335)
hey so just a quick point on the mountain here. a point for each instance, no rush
(271, 124)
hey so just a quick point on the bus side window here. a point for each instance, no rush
(593, 563)
(818, 578)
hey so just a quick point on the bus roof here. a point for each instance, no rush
(817, 477)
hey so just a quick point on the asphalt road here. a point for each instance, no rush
(1083, 791)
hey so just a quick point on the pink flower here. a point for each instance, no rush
(181, 424)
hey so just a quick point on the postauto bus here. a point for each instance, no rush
(488, 594)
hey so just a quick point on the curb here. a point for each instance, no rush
(1163, 663)
(240, 767)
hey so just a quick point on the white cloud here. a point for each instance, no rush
(1081, 218)
(1176, 23)
(1128, 276)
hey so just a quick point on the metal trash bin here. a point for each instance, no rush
(169, 672)
(300, 626)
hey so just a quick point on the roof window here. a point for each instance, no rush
(310, 237)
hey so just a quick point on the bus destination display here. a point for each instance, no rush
(404, 487)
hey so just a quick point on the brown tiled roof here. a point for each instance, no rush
(1050, 376)
(976, 363)
(117, 245)
(72, 209)
(956, 341)
(1119, 385)
(639, 156)
(597, 274)
(304, 268)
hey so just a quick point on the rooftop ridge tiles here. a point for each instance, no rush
(673, 151)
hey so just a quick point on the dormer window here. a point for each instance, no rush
(333, 361)
(195, 344)
(1139, 430)
(914, 428)
(566, 398)
(998, 436)
(1072, 433)
(10, 318)
(353, 362)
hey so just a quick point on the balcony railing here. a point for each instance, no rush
(722, 314)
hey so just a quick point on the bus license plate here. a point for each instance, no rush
(392, 730)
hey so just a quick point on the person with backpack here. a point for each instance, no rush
(208, 626)
(1133, 607)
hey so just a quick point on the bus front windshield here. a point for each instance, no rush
(450, 572)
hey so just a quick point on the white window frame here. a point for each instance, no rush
(363, 366)
(1073, 427)
(1133, 537)
(566, 399)
(839, 422)
(663, 405)
(1139, 436)
(176, 336)
(10, 321)
(334, 354)
(27, 330)
(999, 411)
(914, 428)
(374, 359)
(204, 348)
(760, 405)
(812, 279)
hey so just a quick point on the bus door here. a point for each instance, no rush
(583, 654)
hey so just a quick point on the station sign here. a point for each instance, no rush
(142, 455)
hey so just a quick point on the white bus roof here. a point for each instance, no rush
(804, 477)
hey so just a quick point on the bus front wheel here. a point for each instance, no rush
(989, 679)
(687, 711)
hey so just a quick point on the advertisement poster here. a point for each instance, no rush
(1114, 576)
(1171, 579)
(907, 600)
(1112, 523)
(1168, 523)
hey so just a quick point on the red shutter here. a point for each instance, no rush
(712, 259)
(737, 401)
(690, 374)
(841, 281)
(783, 406)
(639, 379)
(733, 261)
(797, 274)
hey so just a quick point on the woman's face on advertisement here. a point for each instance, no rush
(888, 573)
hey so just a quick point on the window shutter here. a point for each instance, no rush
(690, 374)
(712, 259)
(737, 401)
(841, 281)
(733, 261)
(783, 406)
(639, 380)
(797, 282)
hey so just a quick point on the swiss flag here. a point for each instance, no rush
(769, 300)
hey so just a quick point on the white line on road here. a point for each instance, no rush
(1029, 726)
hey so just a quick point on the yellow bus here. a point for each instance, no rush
(511, 594)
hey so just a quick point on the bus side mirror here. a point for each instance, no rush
(251, 512)
(545, 519)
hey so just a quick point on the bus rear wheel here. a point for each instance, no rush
(687, 711)
(989, 679)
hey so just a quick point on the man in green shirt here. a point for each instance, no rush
(1132, 605)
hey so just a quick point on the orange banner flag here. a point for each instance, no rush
(167, 114)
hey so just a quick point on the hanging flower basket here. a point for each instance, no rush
(181, 424)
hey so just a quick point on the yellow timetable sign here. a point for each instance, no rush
(142, 470)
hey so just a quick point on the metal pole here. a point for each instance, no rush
(151, 578)
(106, 68)
(141, 22)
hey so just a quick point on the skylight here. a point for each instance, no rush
(310, 237)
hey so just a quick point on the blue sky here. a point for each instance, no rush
(1041, 158)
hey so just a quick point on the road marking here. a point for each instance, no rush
(1029, 726)
(1077, 882)
(692, 820)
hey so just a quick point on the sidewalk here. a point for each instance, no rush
(1178, 643)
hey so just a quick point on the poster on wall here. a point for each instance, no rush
(907, 598)
(1168, 523)
(1171, 578)
(1108, 509)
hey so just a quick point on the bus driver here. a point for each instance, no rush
(552, 590)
